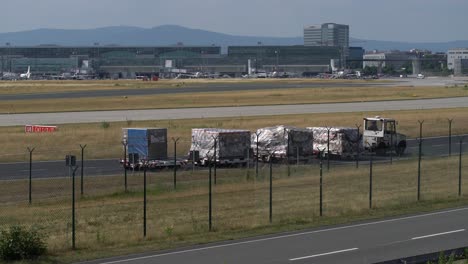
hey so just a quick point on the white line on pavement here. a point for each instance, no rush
(439, 234)
(325, 254)
(285, 236)
(453, 136)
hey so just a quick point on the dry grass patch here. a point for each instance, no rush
(21, 87)
(241, 98)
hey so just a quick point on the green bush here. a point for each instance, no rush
(105, 124)
(18, 243)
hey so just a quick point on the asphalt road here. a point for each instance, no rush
(213, 112)
(436, 146)
(189, 88)
(57, 169)
(365, 242)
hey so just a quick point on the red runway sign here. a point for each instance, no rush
(39, 129)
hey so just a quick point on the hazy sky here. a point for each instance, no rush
(400, 20)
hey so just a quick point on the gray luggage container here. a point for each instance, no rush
(283, 142)
(344, 141)
(232, 145)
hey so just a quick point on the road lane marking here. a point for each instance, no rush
(438, 234)
(35, 170)
(453, 136)
(284, 236)
(325, 254)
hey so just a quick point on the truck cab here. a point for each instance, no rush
(380, 135)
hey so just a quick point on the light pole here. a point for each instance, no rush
(8, 44)
(277, 59)
(97, 56)
(3, 64)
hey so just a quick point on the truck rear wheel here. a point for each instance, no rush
(381, 149)
(401, 147)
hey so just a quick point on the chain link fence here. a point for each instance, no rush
(111, 209)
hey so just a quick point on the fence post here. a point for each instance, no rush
(209, 199)
(125, 144)
(73, 210)
(258, 156)
(321, 181)
(215, 160)
(460, 167)
(30, 173)
(370, 180)
(82, 168)
(287, 154)
(144, 198)
(70, 162)
(419, 157)
(358, 127)
(450, 120)
(297, 161)
(271, 188)
(194, 143)
(392, 148)
(248, 163)
(175, 161)
(328, 148)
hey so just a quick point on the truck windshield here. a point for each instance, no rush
(374, 125)
(390, 127)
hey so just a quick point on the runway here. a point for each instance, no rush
(213, 112)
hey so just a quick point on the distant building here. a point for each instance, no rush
(395, 59)
(110, 61)
(328, 34)
(297, 59)
(457, 60)
(131, 61)
(354, 59)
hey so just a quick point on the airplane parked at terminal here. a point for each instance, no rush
(11, 76)
(26, 75)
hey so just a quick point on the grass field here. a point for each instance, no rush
(105, 142)
(109, 221)
(240, 98)
(22, 87)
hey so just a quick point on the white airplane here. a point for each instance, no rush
(26, 75)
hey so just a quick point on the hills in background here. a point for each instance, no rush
(169, 35)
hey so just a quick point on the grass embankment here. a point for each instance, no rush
(38, 87)
(109, 221)
(240, 98)
(105, 142)
(22, 87)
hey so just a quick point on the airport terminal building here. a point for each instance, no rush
(129, 62)
(457, 60)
